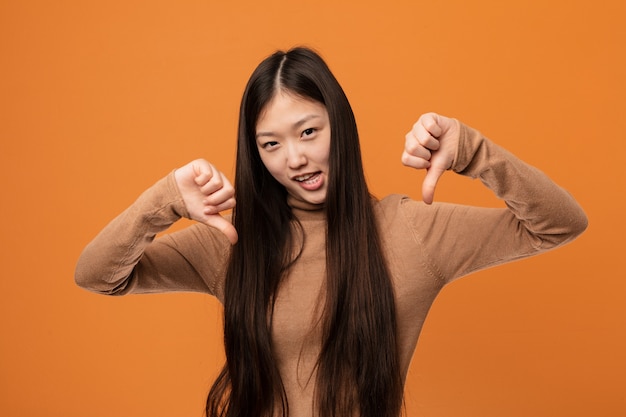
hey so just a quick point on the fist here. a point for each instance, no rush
(206, 192)
(431, 145)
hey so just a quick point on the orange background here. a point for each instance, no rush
(99, 99)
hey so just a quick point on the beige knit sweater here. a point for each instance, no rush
(426, 247)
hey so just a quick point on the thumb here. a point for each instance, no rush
(430, 183)
(224, 226)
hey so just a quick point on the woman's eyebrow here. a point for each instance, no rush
(296, 125)
(305, 119)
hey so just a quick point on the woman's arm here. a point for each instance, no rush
(125, 258)
(539, 216)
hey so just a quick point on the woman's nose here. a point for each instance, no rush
(295, 156)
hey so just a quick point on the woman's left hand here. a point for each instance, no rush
(431, 145)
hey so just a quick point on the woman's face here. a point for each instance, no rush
(293, 138)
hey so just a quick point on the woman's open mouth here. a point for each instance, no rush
(310, 182)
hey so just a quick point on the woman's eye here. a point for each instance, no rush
(308, 132)
(269, 145)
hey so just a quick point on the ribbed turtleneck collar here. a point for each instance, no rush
(304, 210)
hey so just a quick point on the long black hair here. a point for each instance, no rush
(358, 370)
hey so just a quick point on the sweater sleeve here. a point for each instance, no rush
(126, 258)
(458, 240)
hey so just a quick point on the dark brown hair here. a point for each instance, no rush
(358, 368)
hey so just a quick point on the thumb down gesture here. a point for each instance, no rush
(431, 145)
(206, 192)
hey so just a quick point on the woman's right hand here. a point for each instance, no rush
(206, 192)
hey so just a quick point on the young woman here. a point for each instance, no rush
(325, 288)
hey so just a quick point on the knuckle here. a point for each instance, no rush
(218, 181)
(429, 124)
(412, 146)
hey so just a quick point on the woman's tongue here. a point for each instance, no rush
(312, 182)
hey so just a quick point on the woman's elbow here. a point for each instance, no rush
(571, 225)
(86, 279)
(578, 224)
(90, 278)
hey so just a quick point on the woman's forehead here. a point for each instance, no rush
(289, 110)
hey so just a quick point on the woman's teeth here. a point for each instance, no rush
(303, 178)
